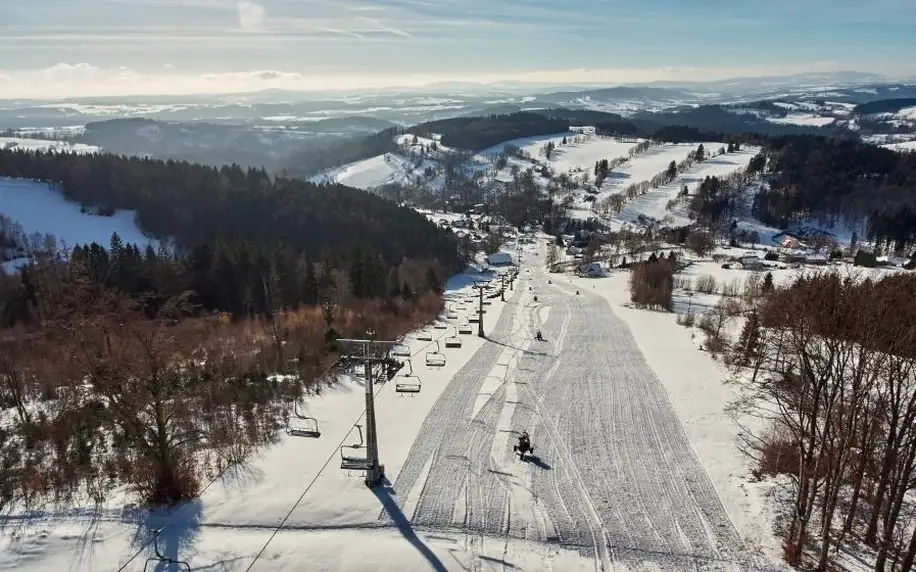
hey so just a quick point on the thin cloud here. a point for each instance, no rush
(83, 79)
(250, 16)
(378, 25)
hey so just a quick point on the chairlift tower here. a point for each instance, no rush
(375, 472)
(480, 288)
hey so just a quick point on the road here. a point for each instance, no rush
(614, 474)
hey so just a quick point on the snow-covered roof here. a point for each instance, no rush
(499, 258)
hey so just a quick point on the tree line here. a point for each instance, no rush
(194, 205)
(159, 368)
(830, 363)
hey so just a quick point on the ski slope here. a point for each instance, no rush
(614, 483)
(377, 171)
(653, 206)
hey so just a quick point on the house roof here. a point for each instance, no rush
(499, 258)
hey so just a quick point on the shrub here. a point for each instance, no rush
(706, 284)
(651, 284)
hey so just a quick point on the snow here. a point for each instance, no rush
(904, 146)
(376, 171)
(26, 144)
(632, 469)
(808, 119)
(40, 209)
(531, 145)
(652, 206)
(694, 383)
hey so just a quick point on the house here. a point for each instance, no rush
(499, 259)
(591, 270)
(750, 261)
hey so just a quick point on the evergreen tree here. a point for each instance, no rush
(749, 340)
(701, 153)
(671, 172)
(767, 285)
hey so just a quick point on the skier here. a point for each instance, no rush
(524, 445)
(538, 336)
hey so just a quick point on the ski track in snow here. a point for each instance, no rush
(613, 474)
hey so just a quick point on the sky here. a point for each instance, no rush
(54, 48)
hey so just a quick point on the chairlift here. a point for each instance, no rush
(436, 358)
(475, 319)
(351, 462)
(304, 426)
(451, 316)
(440, 326)
(465, 328)
(425, 336)
(159, 558)
(400, 350)
(409, 382)
(453, 342)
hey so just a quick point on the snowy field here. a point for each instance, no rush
(646, 165)
(375, 172)
(629, 471)
(41, 210)
(652, 206)
(905, 146)
(26, 144)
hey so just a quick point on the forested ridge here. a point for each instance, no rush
(197, 205)
(827, 179)
(153, 368)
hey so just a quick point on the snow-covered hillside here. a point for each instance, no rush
(27, 144)
(653, 205)
(41, 210)
(377, 171)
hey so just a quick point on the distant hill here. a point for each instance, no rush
(886, 105)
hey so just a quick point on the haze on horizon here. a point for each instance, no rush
(58, 48)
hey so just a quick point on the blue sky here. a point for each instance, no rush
(69, 42)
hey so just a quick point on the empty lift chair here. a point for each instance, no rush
(400, 350)
(454, 341)
(301, 425)
(159, 558)
(355, 458)
(424, 336)
(436, 358)
(408, 383)
(465, 327)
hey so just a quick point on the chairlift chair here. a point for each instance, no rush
(408, 383)
(159, 558)
(400, 350)
(474, 319)
(453, 342)
(304, 426)
(465, 328)
(352, 462)
(440, 326)
(424, 336)
(451, 316)
(436, 358)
